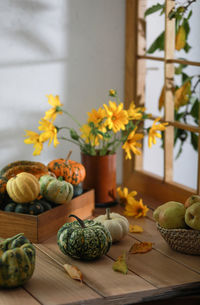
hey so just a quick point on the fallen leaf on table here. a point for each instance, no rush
(142, 247)
(120, 264)
(135, 229)
(73, 272)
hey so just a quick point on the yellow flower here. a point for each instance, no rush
(88, 136)
(52, 113)
(49, 132)
(135, 113)
(131, 144)
(117, 118)
(34, 138)
(96, 117)
(124, 196)
(136, 208)
(153, 131)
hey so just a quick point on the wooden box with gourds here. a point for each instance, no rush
(36, 199)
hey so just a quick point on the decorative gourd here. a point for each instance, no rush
(3, 182)
(78, 189)
(10, 207)
(71, 171)
(55, 190)
(23, 188)
(17, 261)
(117, 224)
(35, 207)
(35, 168)
(85, 240)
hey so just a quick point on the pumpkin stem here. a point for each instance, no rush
(108, 213)
(68, 156)
(80, 221)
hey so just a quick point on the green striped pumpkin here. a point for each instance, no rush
(55, 190)
(17, 261)
(84, 240)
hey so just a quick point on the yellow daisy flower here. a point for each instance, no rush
(96, 116)
(136, 209)
(56, 109)
(49, 132)
(88, 136)
(153, 131)
(131, 144)
(117, 118)
(34, 138)
(135, 113)
(124, 196)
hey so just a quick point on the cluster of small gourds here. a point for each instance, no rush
(84, 240)
(23, 182)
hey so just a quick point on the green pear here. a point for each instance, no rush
(192, 199)
(192, 216)
(170, 215)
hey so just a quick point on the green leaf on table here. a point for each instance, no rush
(120, 264)
(158, 44)
(153, 9)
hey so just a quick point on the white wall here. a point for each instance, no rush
(72, 48)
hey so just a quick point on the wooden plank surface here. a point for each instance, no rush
(98, 274)
(17, 296)
(51, 285)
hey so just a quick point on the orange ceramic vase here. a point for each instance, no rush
(101, 175)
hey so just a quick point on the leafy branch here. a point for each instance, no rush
(186, 101)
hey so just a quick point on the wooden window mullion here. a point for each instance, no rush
(168, 85)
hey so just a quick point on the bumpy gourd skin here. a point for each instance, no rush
(17, 261)
(86, 243)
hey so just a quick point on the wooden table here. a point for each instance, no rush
(153, 277)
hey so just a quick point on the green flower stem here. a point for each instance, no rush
(69, 140)
(71, 116)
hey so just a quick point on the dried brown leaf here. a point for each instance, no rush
(73, 272)
(142, 247)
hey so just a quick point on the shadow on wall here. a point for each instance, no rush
(71, 48)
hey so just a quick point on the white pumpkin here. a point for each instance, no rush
(117, 224)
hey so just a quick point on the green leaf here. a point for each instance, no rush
(195, 109)
(73, 134)
(194, 140)
(153, 9)
(172, 14)
(158, 44)
(185, 77)
(179, 69)
(187, 47)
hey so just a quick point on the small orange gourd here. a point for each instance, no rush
(71, 171)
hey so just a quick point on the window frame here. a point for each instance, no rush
(134, 177)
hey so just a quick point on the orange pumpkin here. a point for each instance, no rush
(71, 171)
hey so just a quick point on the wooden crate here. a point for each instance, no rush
(41, 227)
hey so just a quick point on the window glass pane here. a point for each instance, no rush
(155, 24)
(185, 166)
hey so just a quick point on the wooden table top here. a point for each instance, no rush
(152, 278)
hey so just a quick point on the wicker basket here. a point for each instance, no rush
(182, 240)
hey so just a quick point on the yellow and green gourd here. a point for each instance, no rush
(17, 261)
(55, 190)
(84, 240)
